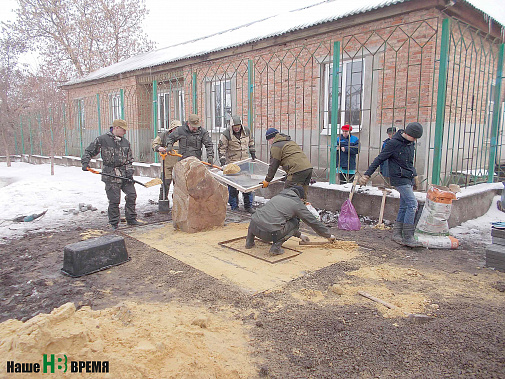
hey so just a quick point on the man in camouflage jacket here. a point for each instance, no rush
(117, 160)
(159, 145)
(235, 144)
(286, 153)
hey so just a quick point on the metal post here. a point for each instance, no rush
(79, 118)
(441, 98)
(99, 114)
(22, 135)
(496, 116)
(15, 144)
(121, 97)
(334, 111)
(155, 113)
(40, 133)
(250, 94)
(31, 134)
(195, 109)
(65, 129)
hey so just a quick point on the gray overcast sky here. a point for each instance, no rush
(171, 22)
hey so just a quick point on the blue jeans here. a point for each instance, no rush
(408, 204)
(233, 198)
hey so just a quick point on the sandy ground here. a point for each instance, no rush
(157, 316)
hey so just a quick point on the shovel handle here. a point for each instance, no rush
(93, 171)
(174, 154)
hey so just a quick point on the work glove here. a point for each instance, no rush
(363, 180)
(304, 238)
(84, 167)
(253, 156)
(264, 184)
(222, 161)
(332, 238)
(162, 150)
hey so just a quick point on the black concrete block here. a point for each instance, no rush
(93, 255)
(499, 233)
(495, 257)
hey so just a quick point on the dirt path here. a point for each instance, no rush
(314, 326)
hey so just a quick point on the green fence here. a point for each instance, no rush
(439, 72)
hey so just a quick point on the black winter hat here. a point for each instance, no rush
(299, 191)
(414, 129)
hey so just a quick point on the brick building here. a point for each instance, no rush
(393, 62)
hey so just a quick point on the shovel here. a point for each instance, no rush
(380, 224)
(205, 163)
(163, 205)
(348, 218)
(151, 183)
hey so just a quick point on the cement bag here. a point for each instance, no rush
(437, 242)
(436, 211)
(348, 218)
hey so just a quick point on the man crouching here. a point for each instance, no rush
(279, 219)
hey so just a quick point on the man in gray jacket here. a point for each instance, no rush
(192, 137)
(279, 219)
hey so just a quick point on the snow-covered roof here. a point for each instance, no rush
(283, 23)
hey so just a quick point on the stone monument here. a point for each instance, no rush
(199, 200)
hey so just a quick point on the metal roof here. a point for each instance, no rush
(283, 23)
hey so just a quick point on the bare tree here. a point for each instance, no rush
(46, 105)
(79, 36)
(11, 86)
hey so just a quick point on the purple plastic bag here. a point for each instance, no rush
(348, 218)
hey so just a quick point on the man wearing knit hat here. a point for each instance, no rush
(159, 145)
(399, 152)
(286, 153)
(117, 160)
(279, 219)
(348, 147)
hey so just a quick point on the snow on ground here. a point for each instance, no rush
(478, 230)
(26, 189)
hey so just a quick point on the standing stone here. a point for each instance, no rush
(199, 200)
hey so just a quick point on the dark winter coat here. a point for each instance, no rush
(191, 143)
(116, 155)
(286, 153)
(384, 165)
(273, 215)
(347, 159)
(399, 152)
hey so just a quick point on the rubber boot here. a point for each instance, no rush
(408, 236)
(397, 232)
(276, 248)
(249, 241)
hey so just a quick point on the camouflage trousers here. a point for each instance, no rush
(113, 191)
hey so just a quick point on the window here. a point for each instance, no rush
(351, 93)
(170, 107)
(114, 106)
(220, 104)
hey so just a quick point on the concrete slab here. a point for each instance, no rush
(203, 252)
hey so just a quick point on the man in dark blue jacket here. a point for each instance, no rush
(347, 149)
(384, 165)
(399, 152)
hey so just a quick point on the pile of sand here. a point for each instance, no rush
(231, 168)
(138, 340)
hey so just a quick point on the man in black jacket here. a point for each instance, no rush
(279, 219)
(117, 160)
(192, 137)
(399, 152)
